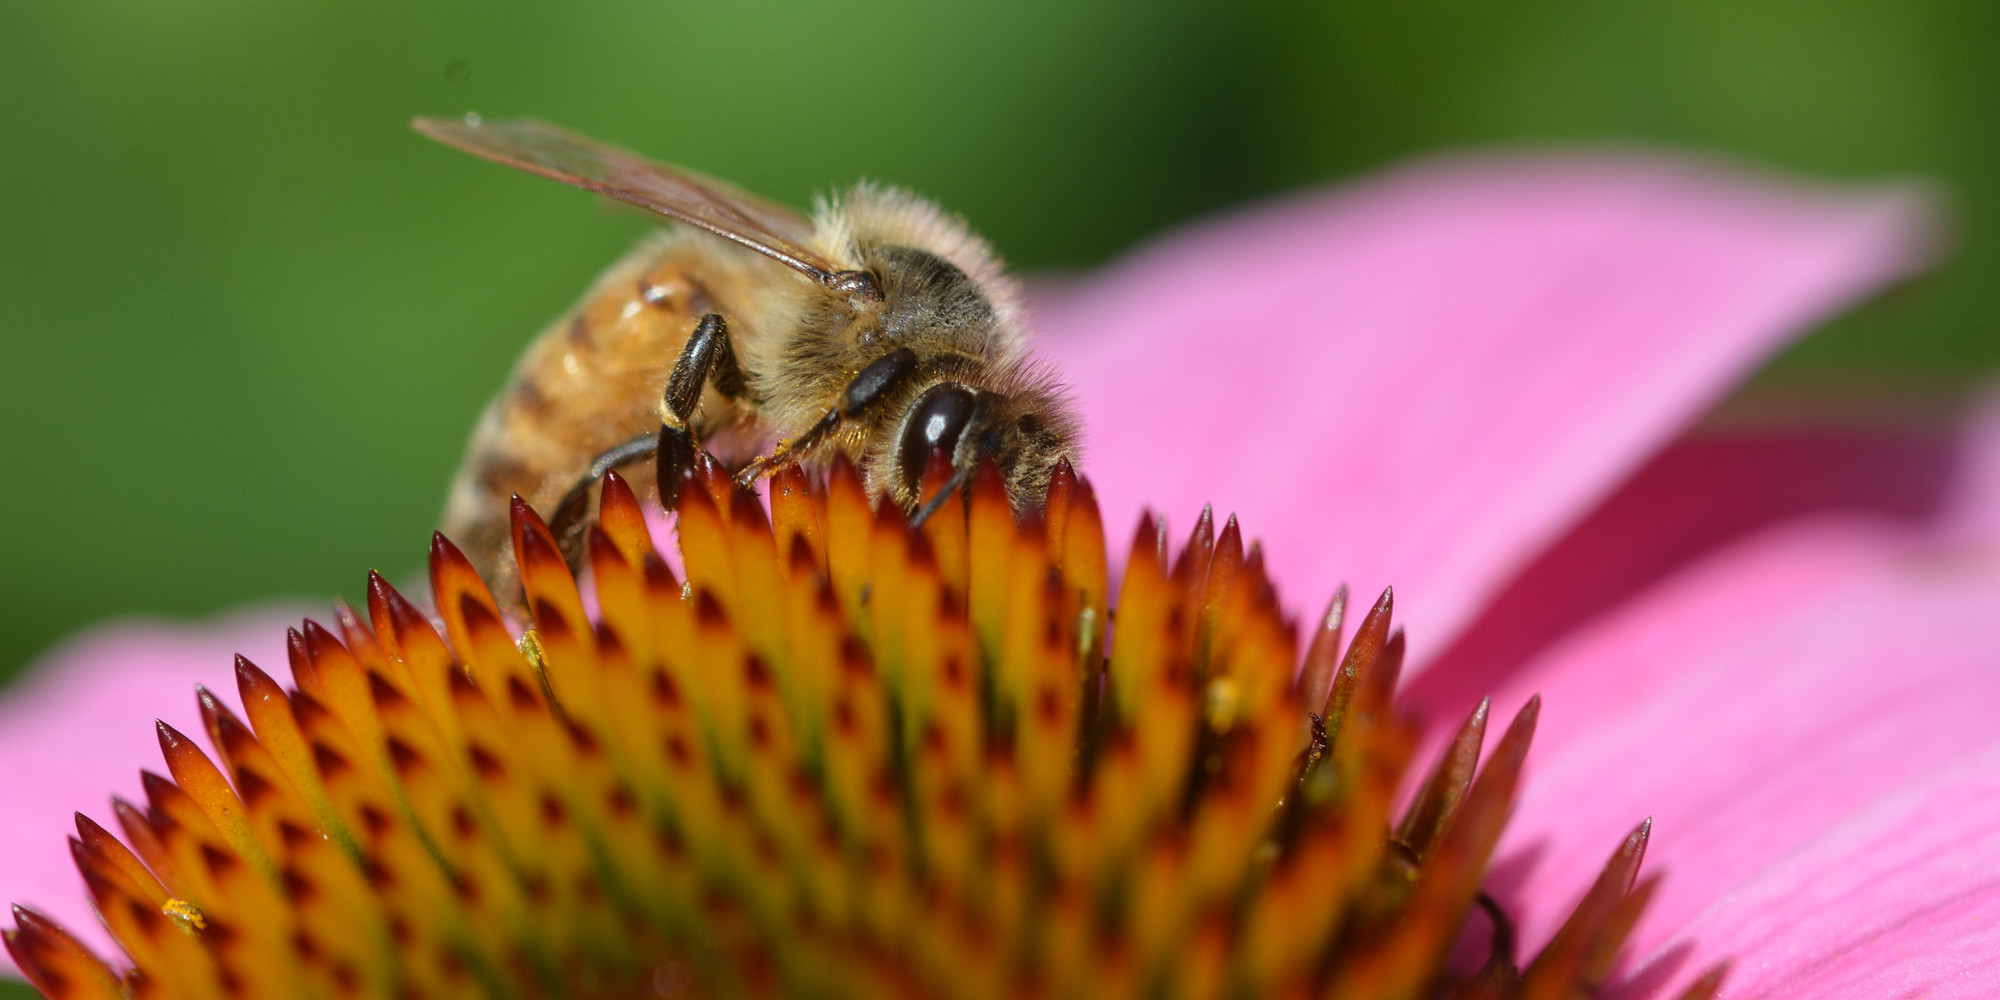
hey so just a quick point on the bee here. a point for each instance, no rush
(880, 328)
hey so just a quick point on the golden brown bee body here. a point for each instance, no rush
(588, 383)
(881, 329)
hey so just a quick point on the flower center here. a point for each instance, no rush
(842, 757)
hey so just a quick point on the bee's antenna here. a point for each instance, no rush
(959, 478)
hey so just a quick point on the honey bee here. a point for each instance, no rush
(880, 328)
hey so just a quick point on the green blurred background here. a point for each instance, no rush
(248, 316)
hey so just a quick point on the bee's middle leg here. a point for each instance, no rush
(707, 356)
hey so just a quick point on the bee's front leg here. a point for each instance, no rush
(868, 388)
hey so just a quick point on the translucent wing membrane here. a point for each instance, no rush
(559, 154)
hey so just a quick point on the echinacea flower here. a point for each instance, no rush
(1428, 381)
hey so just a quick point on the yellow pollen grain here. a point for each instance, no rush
(669, 418)
(538, 661)
(1224, 699)
(185, 913)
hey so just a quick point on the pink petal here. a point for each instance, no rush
(1901, 899)
(1432, 375)
(1699, 494)
(1772, 706)
(79, 728)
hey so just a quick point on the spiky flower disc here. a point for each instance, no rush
(843, 758)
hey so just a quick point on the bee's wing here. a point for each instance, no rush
(559, 154)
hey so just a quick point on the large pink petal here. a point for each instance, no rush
(1773, 706)
(1424, 379)
(80, 726)
(1900, 899)
(1700, 493)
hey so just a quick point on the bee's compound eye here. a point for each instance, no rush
(937, 420)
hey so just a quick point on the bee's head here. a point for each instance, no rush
(1023, 434)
